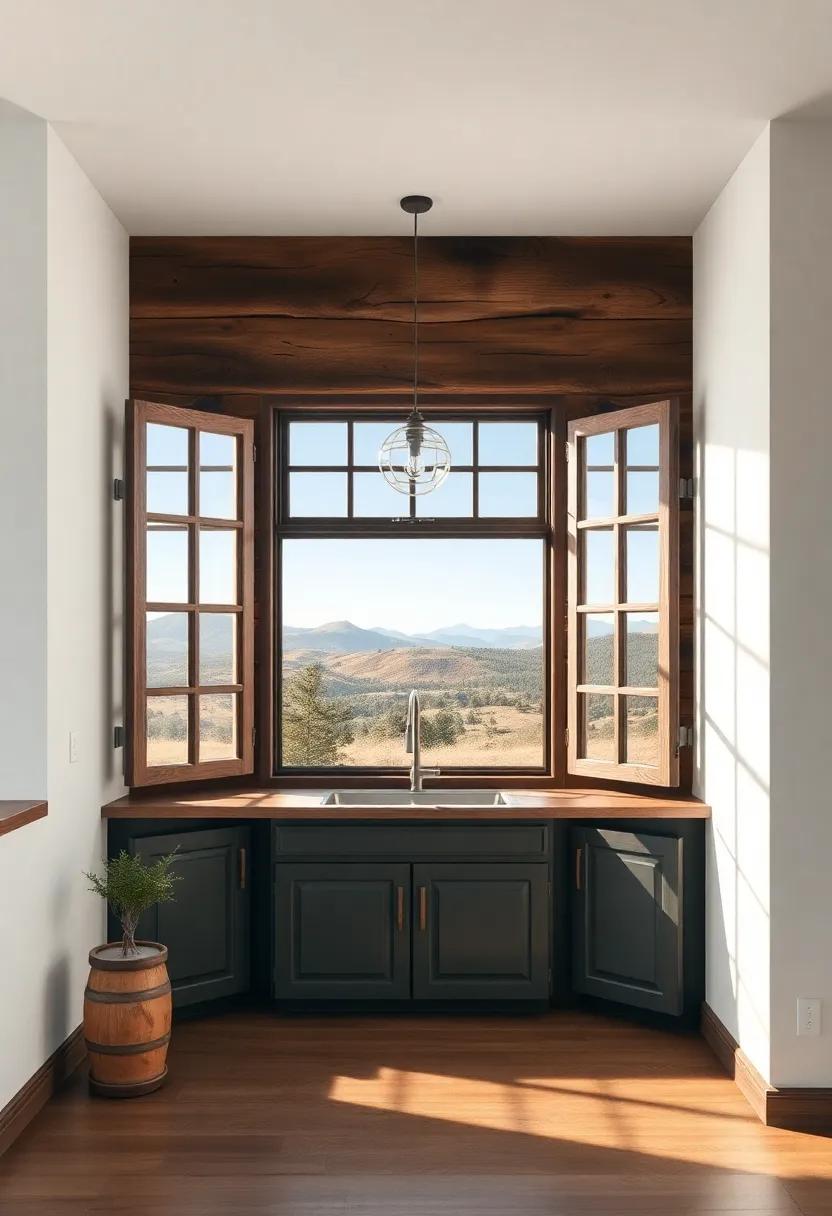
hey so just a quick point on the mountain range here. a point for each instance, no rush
(342, 637)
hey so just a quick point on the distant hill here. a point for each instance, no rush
(513, 636)
(345, 638)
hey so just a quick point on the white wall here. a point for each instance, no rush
(22, 454)
(801, 600)
(731, 426)
(82, 295)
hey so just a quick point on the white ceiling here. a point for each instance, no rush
(519, 116)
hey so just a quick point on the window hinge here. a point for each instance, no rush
(566, 736)
(567, 446)
(118, 489)
(687, 487)
(254, 451)
(253, 736)
(685, 737)
(118, 736)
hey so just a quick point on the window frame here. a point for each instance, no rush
(138, 773)
(349, 527)
(665, 413)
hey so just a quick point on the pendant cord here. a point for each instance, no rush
(415, 310)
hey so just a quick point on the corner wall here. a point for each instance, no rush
(78, 276)
(731, 434)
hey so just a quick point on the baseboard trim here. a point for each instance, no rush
(793, 1109)
(17, 1114)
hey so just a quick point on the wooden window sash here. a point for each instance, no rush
(137, 770)
(666, 771)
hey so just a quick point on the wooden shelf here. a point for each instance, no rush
(16, 812)
(306, 804)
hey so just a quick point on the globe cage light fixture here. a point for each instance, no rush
(415, 459)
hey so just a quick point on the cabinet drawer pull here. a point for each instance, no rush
(423, 908)
(242, 863)
(399, 908)
(578, 872)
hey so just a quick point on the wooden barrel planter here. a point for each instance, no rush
(127, 1013)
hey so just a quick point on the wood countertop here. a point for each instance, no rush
(306, 804)
(15, 812)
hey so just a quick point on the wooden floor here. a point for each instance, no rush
(562, 1113)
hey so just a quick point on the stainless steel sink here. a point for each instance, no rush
(436, 798)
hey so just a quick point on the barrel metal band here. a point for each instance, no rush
(126, 998)
(127, 1049)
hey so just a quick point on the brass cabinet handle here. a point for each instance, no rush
(423, 908)
(578, 868)
(242, 863)
(399, 908)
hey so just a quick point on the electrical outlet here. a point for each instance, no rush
(73, 747)
(808, 1015)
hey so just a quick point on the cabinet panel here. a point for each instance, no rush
(342, 931)
(480, 931)
(206, 925)
(627, 931)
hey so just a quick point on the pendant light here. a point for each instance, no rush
(415, 459)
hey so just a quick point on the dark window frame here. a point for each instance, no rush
(541, 527)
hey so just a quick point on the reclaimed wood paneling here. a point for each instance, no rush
(316, 314)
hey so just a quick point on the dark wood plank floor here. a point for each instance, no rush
(557, 1114)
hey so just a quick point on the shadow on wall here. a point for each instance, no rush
(732, 760)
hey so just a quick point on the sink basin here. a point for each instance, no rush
(437, 798)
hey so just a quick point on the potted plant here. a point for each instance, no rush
(127, 1002)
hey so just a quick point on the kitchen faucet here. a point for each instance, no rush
(413, 742)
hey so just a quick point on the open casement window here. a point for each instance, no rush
(190, 594)
(623, 530)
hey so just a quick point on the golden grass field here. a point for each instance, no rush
(518, 742)
(642, 739)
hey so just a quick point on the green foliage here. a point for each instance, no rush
(314, 727)
(130, 886)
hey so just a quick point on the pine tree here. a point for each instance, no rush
(314, 729)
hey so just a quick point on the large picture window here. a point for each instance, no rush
(380, 593)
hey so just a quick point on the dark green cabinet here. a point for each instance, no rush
(342, 931)
(206, 927)
(626, 917)
(480, 931)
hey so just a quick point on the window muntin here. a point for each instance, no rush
(623, 593)
(330, 470)
(190, 593)
(494, 718)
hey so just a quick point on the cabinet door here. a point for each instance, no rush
(626, 917)
(342, 931)
(480, 932)
(206, 926)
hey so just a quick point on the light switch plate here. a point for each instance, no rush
(808, 1015)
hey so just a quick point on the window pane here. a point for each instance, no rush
(167, 445)
(599, 636)
(642, 642)
(318, 443)
(459, 437)
(642, 493)
(508, 443)
(218, 476)
(167, 564)
(167, 493)
(508, 495)
(642, 549)
(218, 726)
(217, 648)
(453, 499)
(167, 649)
(643, 445)
(167, 730)
(641, 741)
(367, 438)
(318, 495)
(373, 498)
(599, 566)
(599, 449)
(597, 726)
(366, 620)
(217, 566)
(600, 496)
